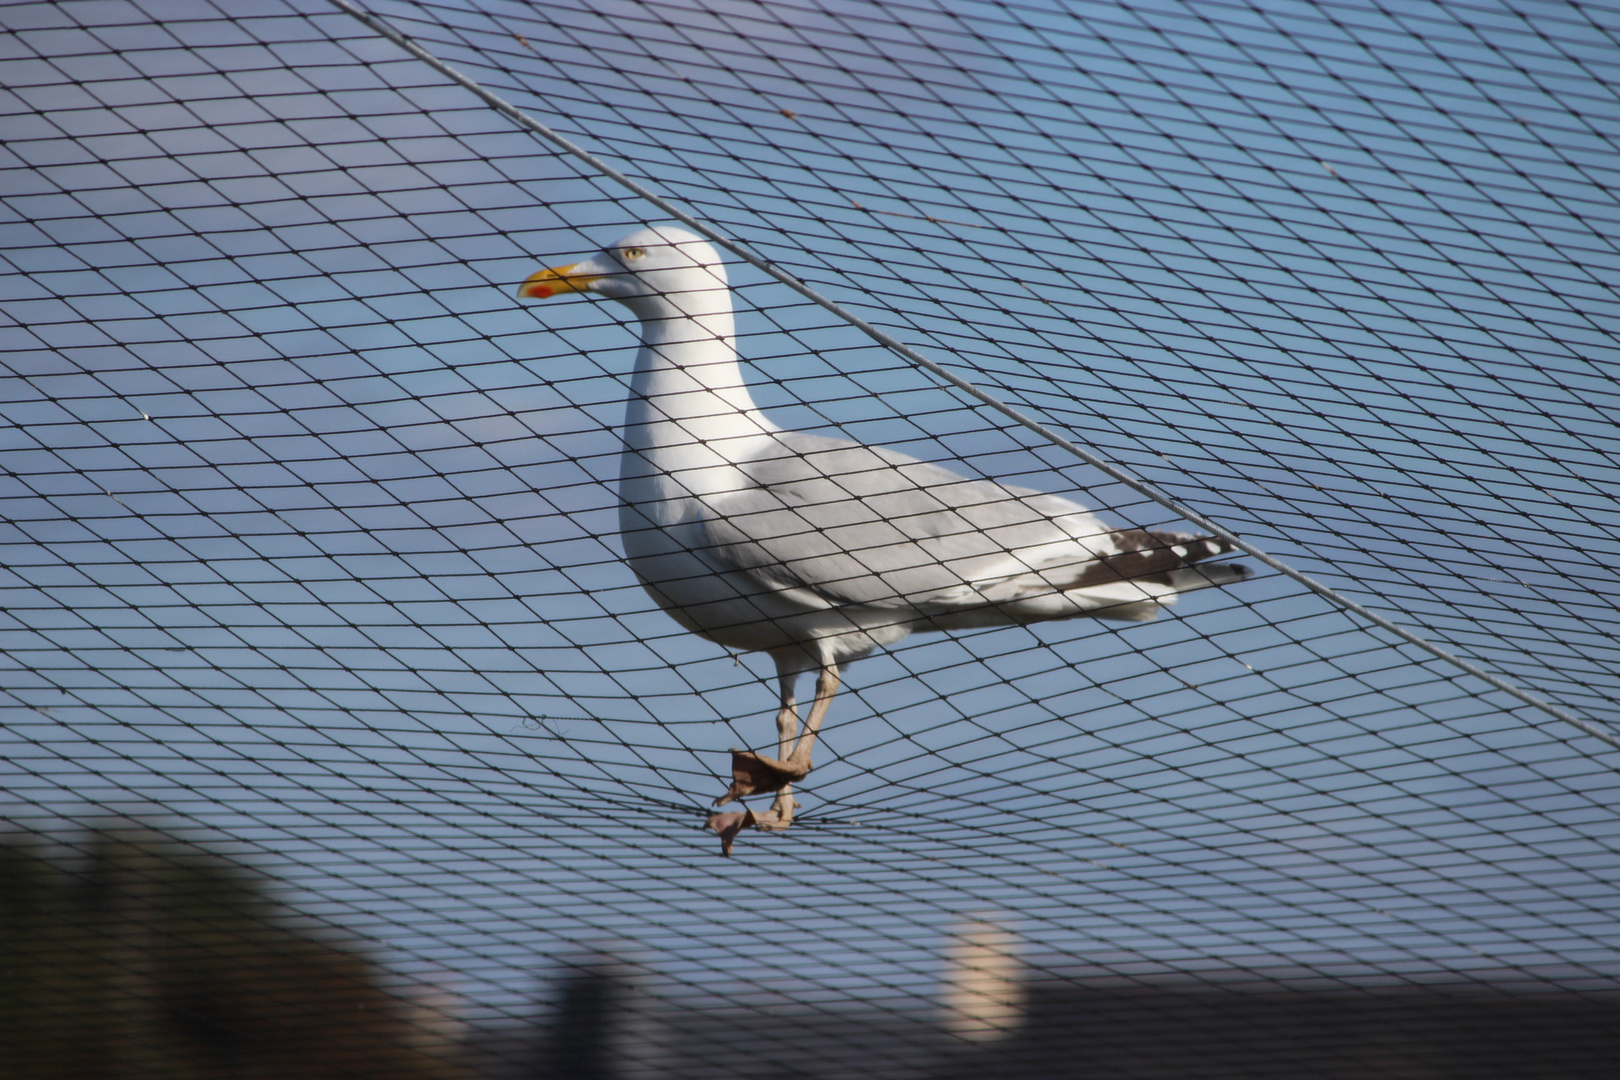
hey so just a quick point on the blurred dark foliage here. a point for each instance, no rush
(131, 955)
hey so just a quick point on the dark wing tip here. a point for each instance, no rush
(1142, 555)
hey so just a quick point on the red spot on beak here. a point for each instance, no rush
(544, 292)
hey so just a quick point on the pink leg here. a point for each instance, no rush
(780, 815)
(754, 773)
(798, 761)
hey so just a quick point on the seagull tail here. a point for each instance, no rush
(1153, 568)
(1167, 559)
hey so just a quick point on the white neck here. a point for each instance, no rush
(689, 408)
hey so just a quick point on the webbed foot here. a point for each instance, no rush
(753, 773)
(729, 825)
(780, 815)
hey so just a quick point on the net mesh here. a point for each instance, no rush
(310, 529)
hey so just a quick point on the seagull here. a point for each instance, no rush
(817, 550)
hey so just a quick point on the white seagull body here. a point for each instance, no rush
(818, 550)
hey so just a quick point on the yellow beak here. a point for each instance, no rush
(543, 284)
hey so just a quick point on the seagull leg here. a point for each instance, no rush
(787, 732)
(750, 774)
(827, 685)
(753, 773)
(797, 762)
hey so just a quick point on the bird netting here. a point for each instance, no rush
(311, 535)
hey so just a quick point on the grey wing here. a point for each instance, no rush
(861, 525)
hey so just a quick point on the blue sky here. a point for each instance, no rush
(308, 525)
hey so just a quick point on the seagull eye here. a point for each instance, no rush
(632, 254)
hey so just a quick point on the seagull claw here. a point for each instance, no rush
(753, 773)
(780, 815)
(729, 825)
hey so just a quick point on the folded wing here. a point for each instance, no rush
(849, 524)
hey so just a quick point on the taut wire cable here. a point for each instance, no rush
(899, 347)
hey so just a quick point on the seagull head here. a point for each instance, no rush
(643, 270)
